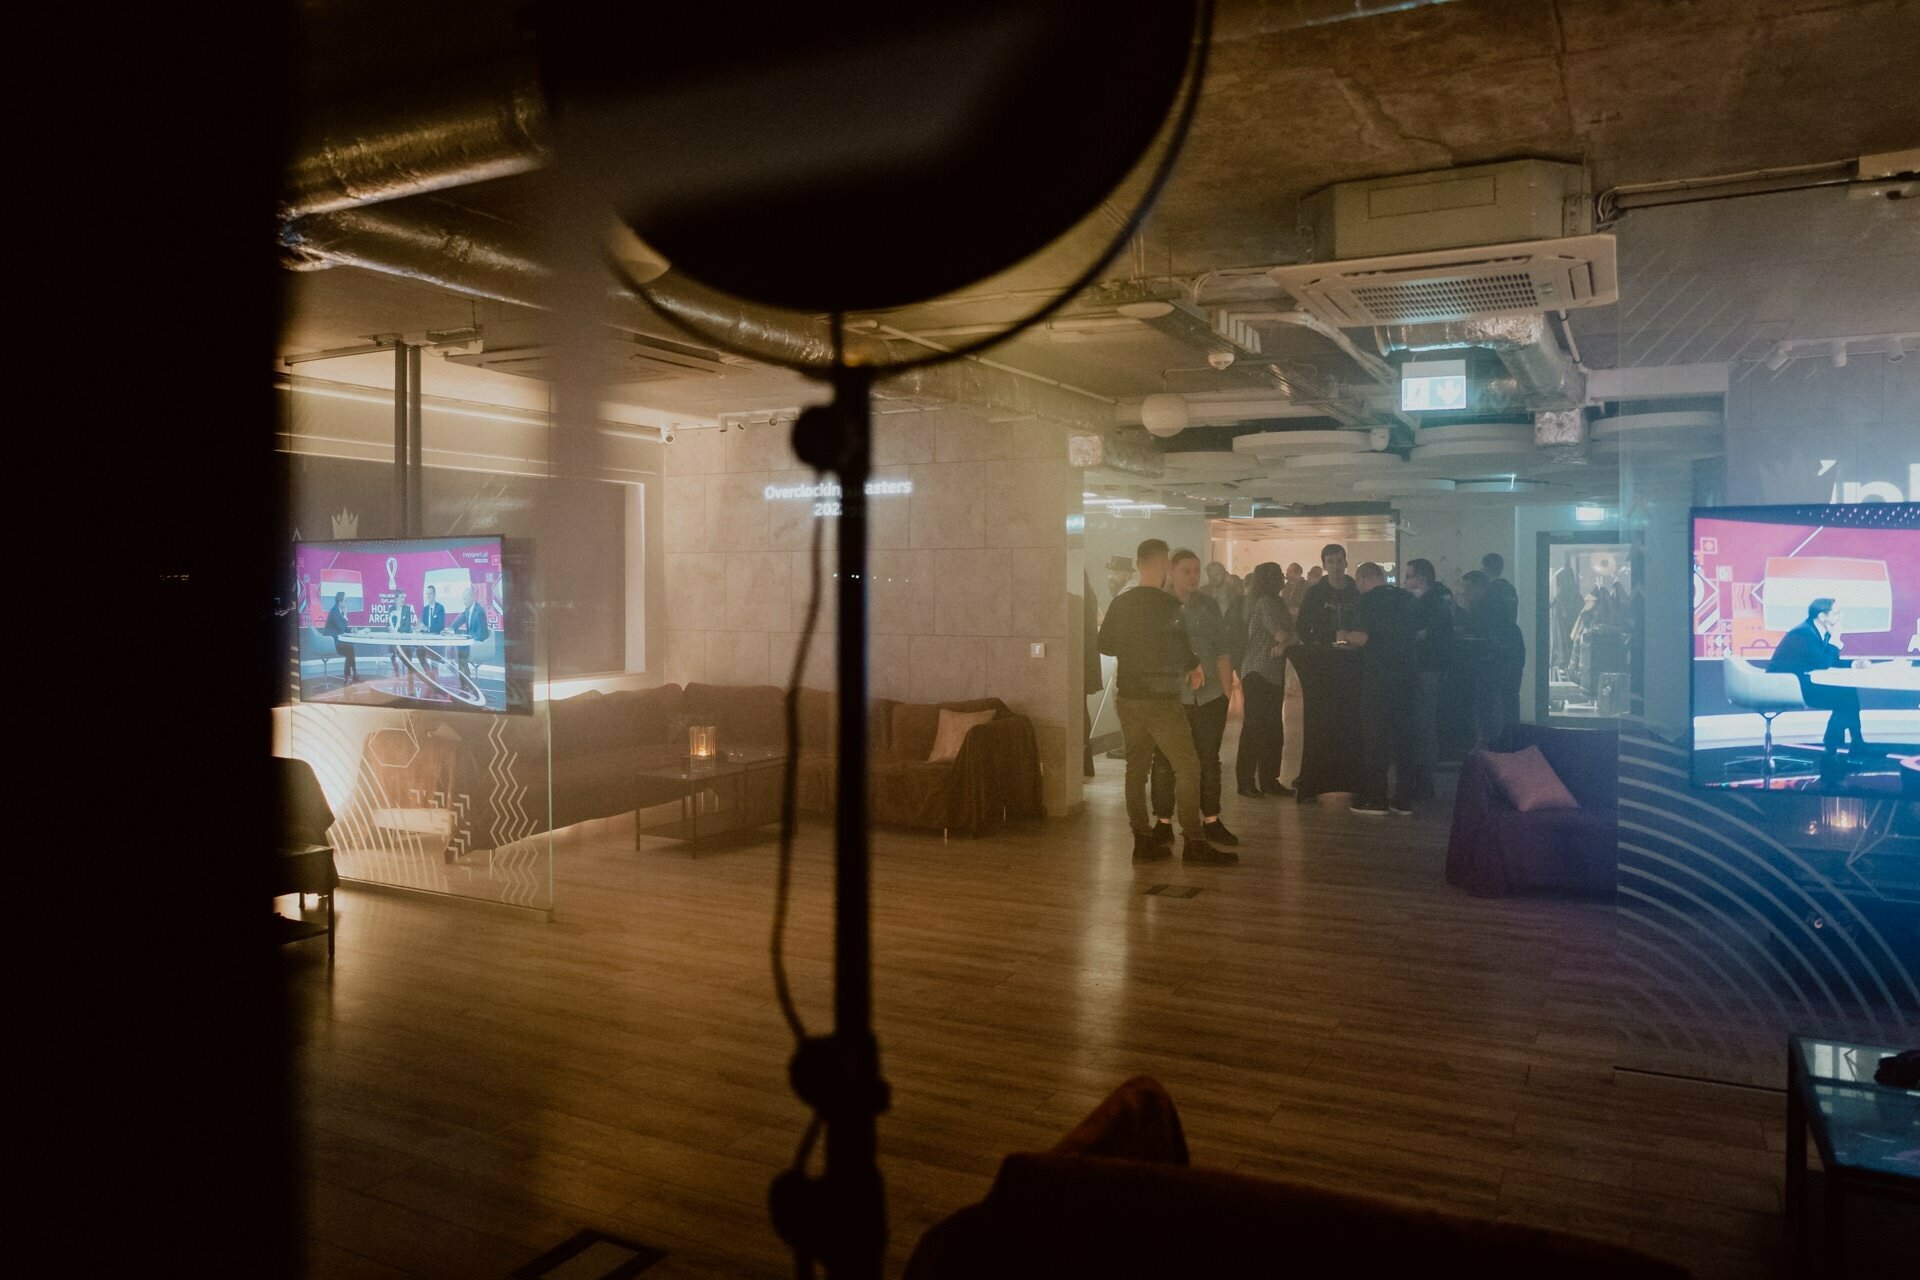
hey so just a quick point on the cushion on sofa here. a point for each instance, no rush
(648, 717)
(917, 724)
(742, 714)
(816, 720)
(954, 726)
(1528, 781)
(579, 725)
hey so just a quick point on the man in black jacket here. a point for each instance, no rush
(1143, 632)
(1433, 656)
(1814, 645)
(1327, 606)
(1383, 630)
(337, 626)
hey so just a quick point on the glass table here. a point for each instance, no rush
(1868, 1136)
(736, 791)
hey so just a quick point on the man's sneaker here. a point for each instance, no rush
(1401, 807)
(1147, 849)
(1163, 833)
(1371, 810)
(1215, 831)
(1199, 851)
(1278, 788)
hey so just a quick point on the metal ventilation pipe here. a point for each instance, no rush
(483, 258)
(484, 126)
(1544, 377)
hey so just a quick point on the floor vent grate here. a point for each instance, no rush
(1174, 891)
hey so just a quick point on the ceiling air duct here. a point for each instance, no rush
(1544, 377)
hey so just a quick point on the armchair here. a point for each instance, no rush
(305, 861)
(1494, 849)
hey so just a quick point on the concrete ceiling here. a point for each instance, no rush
(1637, 90)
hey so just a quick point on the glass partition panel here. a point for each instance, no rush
(1746, 914)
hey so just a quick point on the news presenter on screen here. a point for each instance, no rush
(401, 619)
(433, 621)
(1814, 645)
(336, 626)
(472, 623)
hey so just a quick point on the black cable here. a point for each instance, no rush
(1183, 121)
(789, 788)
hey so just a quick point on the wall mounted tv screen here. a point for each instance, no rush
(423, 623)
(1806, 649)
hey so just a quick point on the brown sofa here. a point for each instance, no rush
(601, 740)
(1116, 1198)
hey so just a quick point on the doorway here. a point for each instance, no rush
(1589, 628)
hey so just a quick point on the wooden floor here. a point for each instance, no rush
(480, 1084)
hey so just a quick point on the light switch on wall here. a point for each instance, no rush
(1038, 649)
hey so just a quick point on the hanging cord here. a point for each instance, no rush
(789, 788)
(1129, 228)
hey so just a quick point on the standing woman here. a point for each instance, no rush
(1263, 677)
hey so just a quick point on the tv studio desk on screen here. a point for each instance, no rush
(405, 645)
(1896, 676)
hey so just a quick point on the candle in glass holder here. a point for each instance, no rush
(701, 742)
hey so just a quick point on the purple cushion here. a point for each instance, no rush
(1529, 781)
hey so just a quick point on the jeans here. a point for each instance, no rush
(1147, 725)
(1209, 722)
(1263, 735)
(1386, 699)
(1425, 749)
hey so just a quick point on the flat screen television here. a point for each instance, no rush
(420, 623)
(1806, 641)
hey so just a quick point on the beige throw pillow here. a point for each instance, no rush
(954, 727)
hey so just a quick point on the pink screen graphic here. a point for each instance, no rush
(374, 580)
(1752, 583)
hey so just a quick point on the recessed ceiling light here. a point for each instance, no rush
(1144, 310)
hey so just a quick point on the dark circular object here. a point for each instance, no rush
(859, 156)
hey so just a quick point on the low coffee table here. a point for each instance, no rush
(1868, 1135)
(736, 792)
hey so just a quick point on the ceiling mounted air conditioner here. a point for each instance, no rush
(1531, 276)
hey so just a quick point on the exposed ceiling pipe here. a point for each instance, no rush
(485, 258)
(1372, 366)
(491, 123)
(480, 258)
(1545, 378)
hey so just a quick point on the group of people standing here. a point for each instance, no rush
(1179, 647)
(431, 619)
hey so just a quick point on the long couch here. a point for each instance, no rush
(599, 742)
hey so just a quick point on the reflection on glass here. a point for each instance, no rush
(1592, 618)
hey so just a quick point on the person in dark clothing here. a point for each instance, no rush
(1142, 631)
(1433, 653)
(1383, 630)
(1206, 706)
(472, 623)
(1092, 679)
(1263, 680)
(1502, 599)
(1327, 606)
(1814, 645)
(433, 621)
(336, 626)
(1500, 657)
